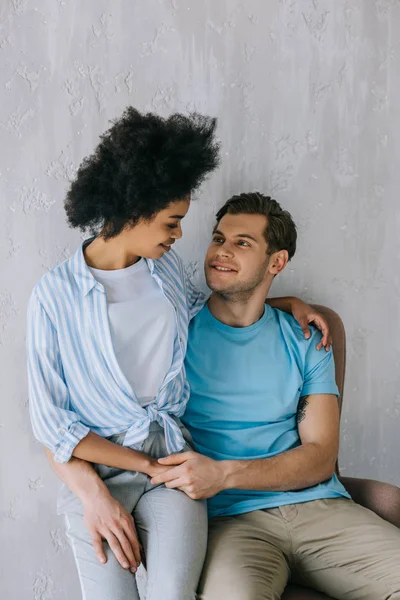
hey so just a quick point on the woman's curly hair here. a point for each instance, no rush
(142, 164)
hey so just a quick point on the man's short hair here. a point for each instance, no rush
(280, 233)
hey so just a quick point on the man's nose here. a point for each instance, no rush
(225, 249)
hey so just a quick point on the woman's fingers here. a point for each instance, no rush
(322, 325)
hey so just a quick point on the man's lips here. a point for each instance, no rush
(222, 268)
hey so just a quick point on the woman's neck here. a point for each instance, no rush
(109, 255)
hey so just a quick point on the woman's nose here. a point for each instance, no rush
(177, 234)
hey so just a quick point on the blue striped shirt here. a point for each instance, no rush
(75, 382)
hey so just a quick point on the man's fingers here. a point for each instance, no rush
(98, 547)
(166, 476)
(174, 459)
(128, 549)
(175, 483)
(132, 538)
(115, 546)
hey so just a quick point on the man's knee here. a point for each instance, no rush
(238, 586)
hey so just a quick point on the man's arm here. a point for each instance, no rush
(309, 464)
(104, 517)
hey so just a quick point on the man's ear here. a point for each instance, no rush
(278, 262)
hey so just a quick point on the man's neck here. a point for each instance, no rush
(236, 312)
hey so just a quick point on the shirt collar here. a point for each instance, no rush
(84, 278)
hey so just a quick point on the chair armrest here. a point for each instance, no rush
(382, 498)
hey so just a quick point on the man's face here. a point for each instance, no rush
(236, 261)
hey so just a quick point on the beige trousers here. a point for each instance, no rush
(334, 546)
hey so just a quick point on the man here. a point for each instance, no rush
(264, 418)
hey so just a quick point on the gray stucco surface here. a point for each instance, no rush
(308, 95)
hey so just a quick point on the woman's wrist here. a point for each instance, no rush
(140, 462)
(149, 465)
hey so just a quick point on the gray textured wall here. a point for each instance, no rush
(307, 92)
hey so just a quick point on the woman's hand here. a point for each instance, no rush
(304, 315)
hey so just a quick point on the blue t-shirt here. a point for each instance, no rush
(246, 383)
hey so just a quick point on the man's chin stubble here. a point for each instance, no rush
(235, 296)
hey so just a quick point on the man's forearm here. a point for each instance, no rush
(295, 469)
(79, 476)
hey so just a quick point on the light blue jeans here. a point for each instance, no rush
(171, 527)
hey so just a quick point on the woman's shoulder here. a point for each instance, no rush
(171, 262)
(55, 281)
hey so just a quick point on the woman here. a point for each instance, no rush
(107, 333)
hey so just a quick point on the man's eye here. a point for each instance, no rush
(242, 243)
(218, 240)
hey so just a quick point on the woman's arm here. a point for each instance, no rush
(54, 424)
(304, 315)
(283, 303)
(96, 449)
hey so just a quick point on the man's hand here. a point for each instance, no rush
(155, 468)
(304, 315)
(107, 519)
(196, 475)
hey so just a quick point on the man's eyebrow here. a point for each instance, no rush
(238, 235)
(246, 235)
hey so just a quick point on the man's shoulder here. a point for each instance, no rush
(286, 321)
(292, 330)
(201, 315)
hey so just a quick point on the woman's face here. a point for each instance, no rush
(153, 238)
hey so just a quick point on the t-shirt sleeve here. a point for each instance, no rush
(319, 368)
